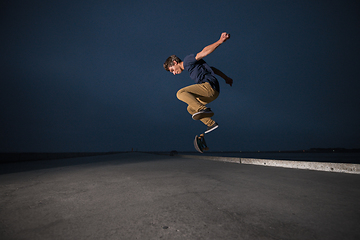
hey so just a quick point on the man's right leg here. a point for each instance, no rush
(197, 95)
(191, 95)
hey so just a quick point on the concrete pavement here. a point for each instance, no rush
(144, 196)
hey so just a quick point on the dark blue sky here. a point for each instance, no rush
(88, 75)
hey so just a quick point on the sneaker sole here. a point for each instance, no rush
(212, 129)
(198, 116)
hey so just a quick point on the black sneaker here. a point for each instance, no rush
(212, 127)
(203, 114)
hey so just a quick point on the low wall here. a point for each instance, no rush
(318, 166)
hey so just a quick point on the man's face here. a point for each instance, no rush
(175, 69)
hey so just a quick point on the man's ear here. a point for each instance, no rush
(175, 63)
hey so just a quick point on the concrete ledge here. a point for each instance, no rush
(317, 166)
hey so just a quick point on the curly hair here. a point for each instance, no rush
(170, 61)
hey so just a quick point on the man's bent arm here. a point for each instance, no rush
(209, 49)
(221, 74)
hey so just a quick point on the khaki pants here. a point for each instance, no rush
(197, 96)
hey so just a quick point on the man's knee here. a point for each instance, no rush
(179, 93)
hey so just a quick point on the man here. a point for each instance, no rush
(207, 87)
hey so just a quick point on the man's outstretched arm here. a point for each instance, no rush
(221, 74)
(209, 49)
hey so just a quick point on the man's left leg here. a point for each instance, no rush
(207, 121)
(203, 100)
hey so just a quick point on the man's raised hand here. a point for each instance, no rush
(224, 36)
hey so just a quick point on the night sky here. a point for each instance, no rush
(88, 76)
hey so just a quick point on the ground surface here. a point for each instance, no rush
(143, 196)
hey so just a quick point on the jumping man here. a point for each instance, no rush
(207, 87)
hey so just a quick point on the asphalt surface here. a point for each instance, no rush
(144, 196)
